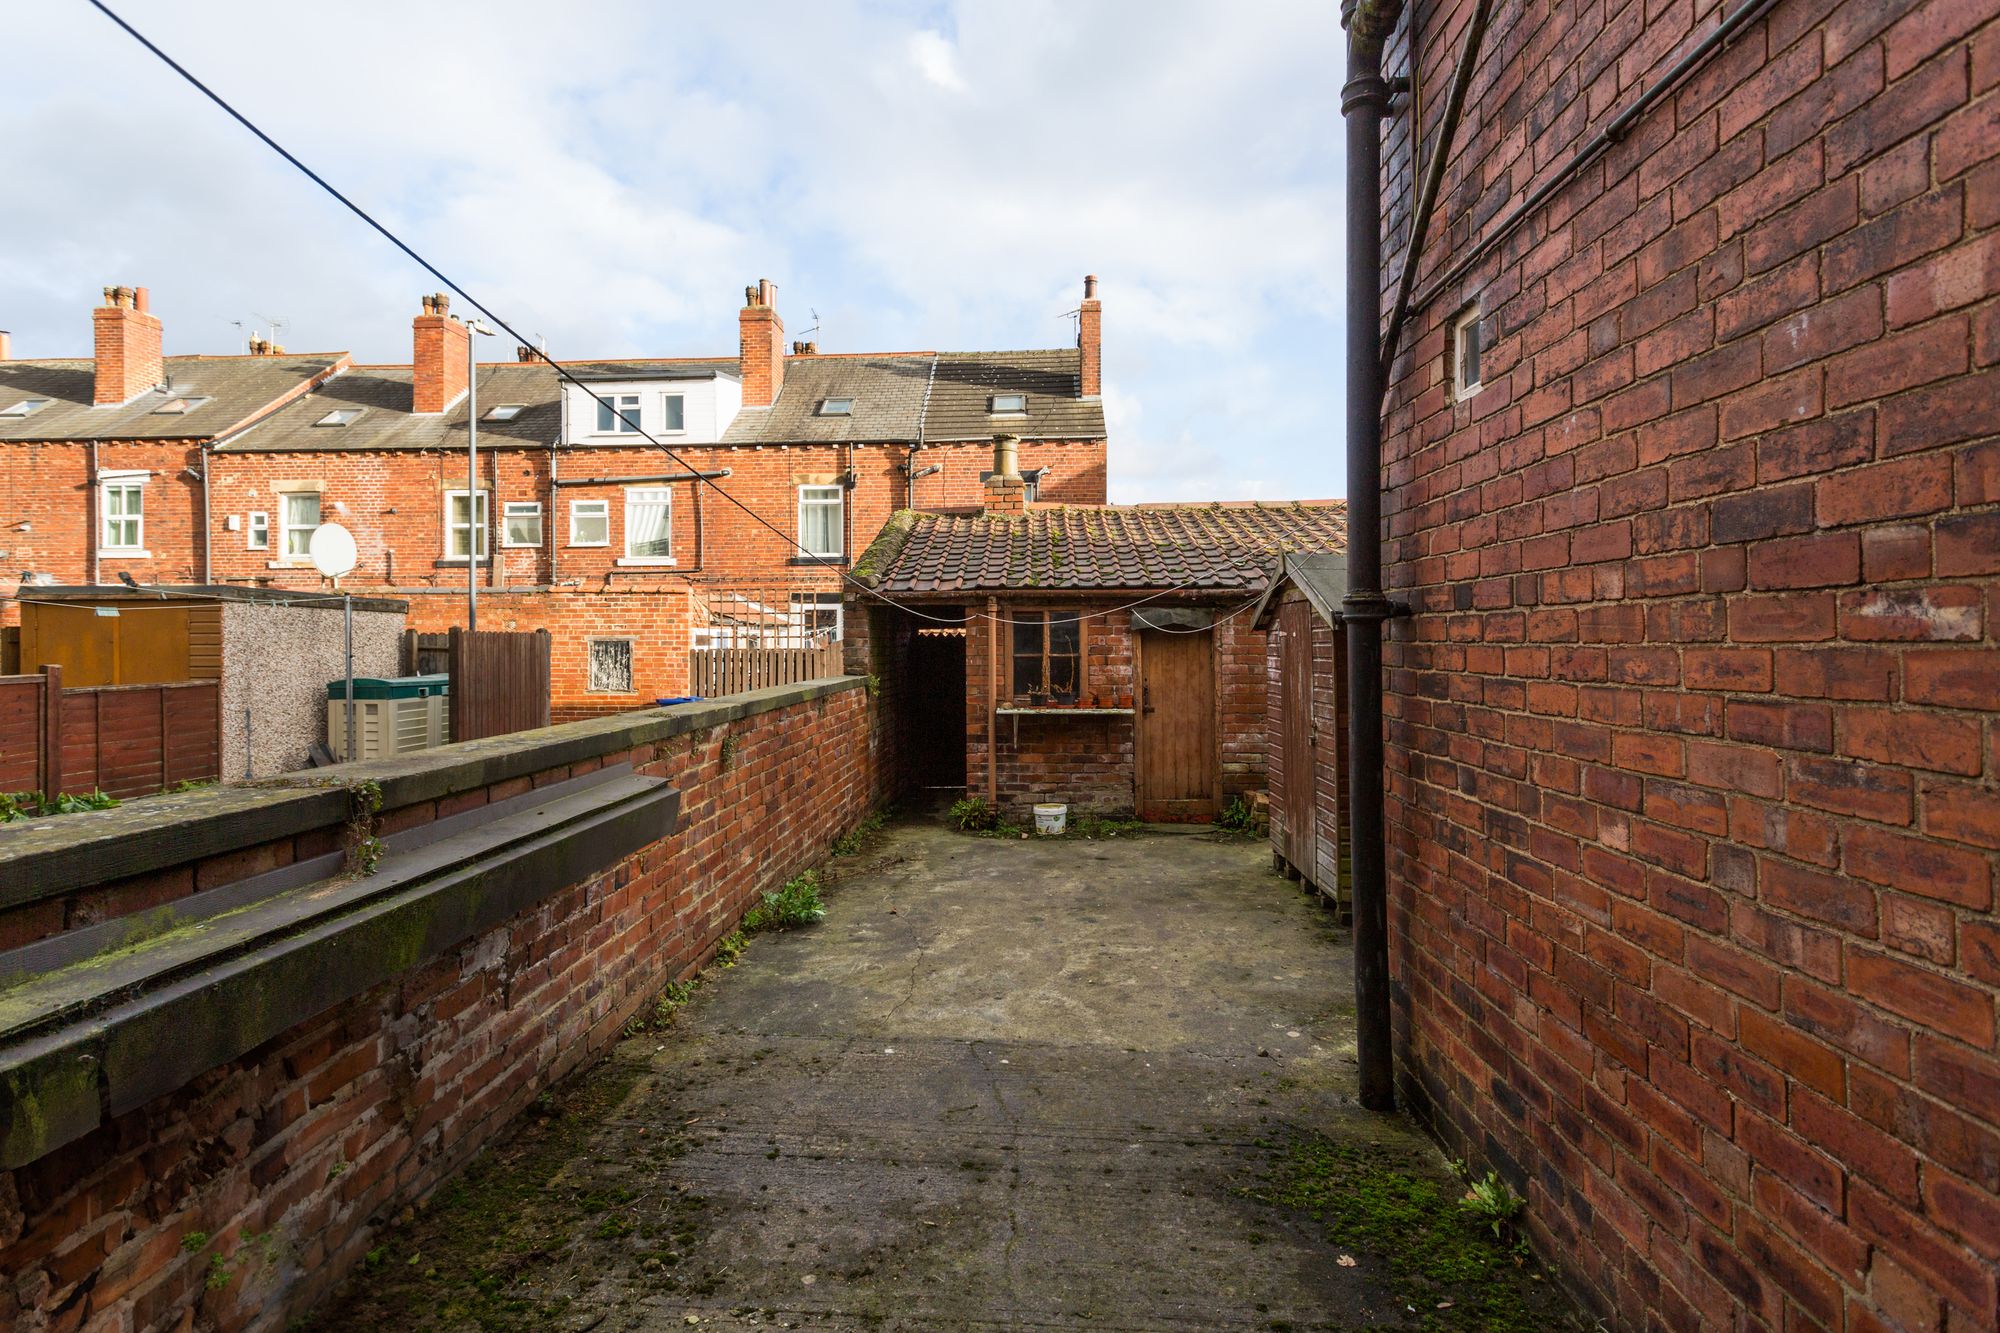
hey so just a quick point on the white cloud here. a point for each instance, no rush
(935, 59)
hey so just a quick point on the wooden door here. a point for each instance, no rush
(1295, 717)
(1177, 758)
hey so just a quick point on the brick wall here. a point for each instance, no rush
(304, 1142)
(1694, 783)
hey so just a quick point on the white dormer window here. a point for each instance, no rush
(1465, 352)
(673, 413)
(618, 414)
(836, 407)
(340, 416)
(504, 412)
(181, 406)
(26, 407)
(1008, 405)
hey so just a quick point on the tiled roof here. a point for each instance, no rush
(1229, 547)
(238, 388)
(961, 399)
(888, 394)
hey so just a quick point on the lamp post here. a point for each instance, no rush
(474, 330)
(333, 554)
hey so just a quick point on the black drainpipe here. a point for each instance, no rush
(1364, 100)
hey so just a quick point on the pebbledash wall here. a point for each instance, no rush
(1694, 790)
(304, 1140)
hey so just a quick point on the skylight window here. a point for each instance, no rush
(836, 407)
(340, 416)
(1008, 405)
(182, 406)
(504, 412)
(26, 407)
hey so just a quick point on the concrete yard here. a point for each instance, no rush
(1005, 1084)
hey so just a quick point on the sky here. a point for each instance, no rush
(609, 176)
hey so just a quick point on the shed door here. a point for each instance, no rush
(1177, 758)
(1295, 692)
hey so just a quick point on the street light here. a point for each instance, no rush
(474, 328)
(332, 551)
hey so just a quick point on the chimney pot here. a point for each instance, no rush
(142, 300)
(1006, 493)
(1090, 286)
(524, 353)
(6, 345)
(1007, 456)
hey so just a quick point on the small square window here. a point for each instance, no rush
(836, 407)
(673, 412)
(1008, 404)
(181, 406)
(524, 523)
(504, 412)
(340, 416)
(610, 666)
(26, 407)
(258, 536)
(1465, 354)
(590, 523)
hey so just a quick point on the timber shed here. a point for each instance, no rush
(1306, 720)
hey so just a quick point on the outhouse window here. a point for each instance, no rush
(610, 666)
(1465, 353)
(1048, 656)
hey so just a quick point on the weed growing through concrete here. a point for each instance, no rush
(1492, 1201)
(1236, 817)
(973, 815)
(796, 904)
(661, 1016)
(850, 842)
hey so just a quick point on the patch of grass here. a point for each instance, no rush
(973, 815)
(1403, 1218)
(850, 842)
(796, 904)
(1096, 826)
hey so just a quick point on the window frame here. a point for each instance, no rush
(993, 408)
(1020, 691)
(624, 420)
(286, 527)
(513, 509)
(257, 530)
(804, 605)
(503, 411)
(481, 513)
(602, 509)
(631, 663)
(669, 413)
(633, 499)
(839, 506)
(27, 407)
(124, 482)
(1463, 389)
(827, 409)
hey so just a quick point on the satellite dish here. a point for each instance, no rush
(331, 549)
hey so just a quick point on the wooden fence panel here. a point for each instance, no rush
(126, 740)
(21, 737)
(499, 682)
(713, 672)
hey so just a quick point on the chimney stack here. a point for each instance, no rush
(1090, 341)
(524, 353)
(437, 371)
(1006, 493)
(6, 345)
(762, 345)
(129, 360)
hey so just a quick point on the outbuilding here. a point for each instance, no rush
(1306, 720)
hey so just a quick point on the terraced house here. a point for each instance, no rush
(576, 521)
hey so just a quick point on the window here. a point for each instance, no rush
(259, 536)
(1008, 404)
(340, 416)
(836, 407)
(817, 614)
(1048, 656)
(673, 412)
(504, 412)
(819, 519)
(523, 523)
(299, 515)
(649, 525)
(618, 414)
(1465, 349)
(180, 406)
(590, 522)
(455, 523)
(610, 666)
(25, 407)
(124, 513)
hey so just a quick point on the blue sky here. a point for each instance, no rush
(609, 176)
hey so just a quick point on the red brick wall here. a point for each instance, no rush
(1692, 792)
(307, 1140)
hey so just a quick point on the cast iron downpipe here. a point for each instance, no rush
(1364, 100)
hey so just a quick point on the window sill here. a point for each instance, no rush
(122, 554)
(646, 562)
(838, 561)
(588, 546)
(458, 562)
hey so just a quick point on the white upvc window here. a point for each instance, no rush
(590, 522)
(124, 510)
(817, 615)
(819, 520)
(673, 413)
(522, 524)
(649, 526)
(617, 414)
(458, 515)
(298, 517)
(1465, 354)
(258, 534)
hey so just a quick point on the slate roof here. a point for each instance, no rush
(238, 389)
(386, 422)
(1216, 547)
(1321, 578)
(888, 394)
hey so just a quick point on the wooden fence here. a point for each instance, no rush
(718, 671)
(499, 682)
(127, 740)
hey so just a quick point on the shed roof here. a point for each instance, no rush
(1322, 578)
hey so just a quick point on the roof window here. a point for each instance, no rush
(26, 407)
(340, 416)
(1008, 405)
(504, 412)
(182, 406)
(836, 407)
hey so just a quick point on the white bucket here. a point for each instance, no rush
(1051, 819)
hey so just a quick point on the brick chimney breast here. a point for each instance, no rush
(761, 348)
(1090, 341)
(437, 366)
(129, 358)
